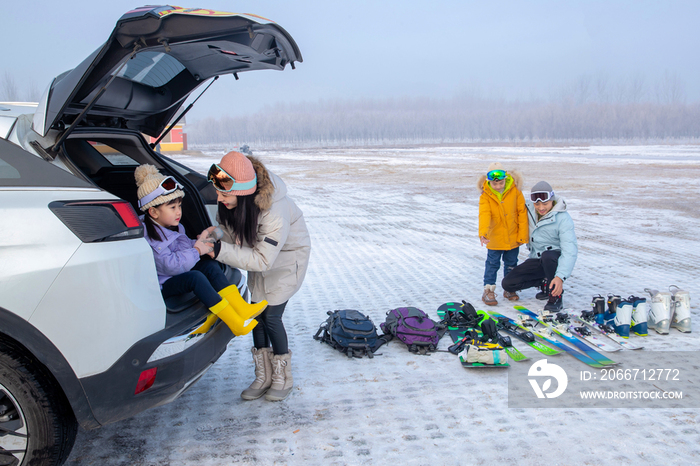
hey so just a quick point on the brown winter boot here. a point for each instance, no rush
(263, 374)
(511, 295)
(489, 297)
(282, 381)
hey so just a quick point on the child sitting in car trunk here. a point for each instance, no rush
(178, 259)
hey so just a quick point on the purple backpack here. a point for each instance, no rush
(413, 327)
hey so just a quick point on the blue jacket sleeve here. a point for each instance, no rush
(569, 246)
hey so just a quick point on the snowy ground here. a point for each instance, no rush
(396, 227)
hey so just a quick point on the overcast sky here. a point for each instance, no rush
(397, 48)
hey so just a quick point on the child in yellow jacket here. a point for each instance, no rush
(503, 225)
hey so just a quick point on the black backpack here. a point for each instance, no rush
(350, 332)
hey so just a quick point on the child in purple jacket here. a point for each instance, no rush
(177, 257)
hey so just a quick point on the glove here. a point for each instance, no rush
(488, 329)
(469, 314)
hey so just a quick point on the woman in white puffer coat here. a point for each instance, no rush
(265, 234)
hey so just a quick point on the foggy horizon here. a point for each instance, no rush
(540, 51)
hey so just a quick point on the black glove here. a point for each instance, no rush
(488, 329)
(469, 315)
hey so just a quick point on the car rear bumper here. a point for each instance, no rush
(111, 394)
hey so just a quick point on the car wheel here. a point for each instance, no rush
(37, 425)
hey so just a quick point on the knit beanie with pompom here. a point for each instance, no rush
(148, 178)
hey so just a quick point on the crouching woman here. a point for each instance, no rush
(265, 234)
(553, 248)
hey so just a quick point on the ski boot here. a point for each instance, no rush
(659, 311)
(544, 290)
(640, 315)
(598, 304)
(681, 309)
(623, 317)
(609, 315)
(554, 303)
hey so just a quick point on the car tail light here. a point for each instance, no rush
(146, 380)
(96, 221)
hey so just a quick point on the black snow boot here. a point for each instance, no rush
(554, 303)
(544, 291)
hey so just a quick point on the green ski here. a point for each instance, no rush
(508, 325)
(551, 341)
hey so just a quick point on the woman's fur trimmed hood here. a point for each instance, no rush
(266, 189)
(515, 174)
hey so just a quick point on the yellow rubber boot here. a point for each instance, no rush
(204, 328)
(245, 311)
(225, 312)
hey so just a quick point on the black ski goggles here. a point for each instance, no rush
(167, 186)
(220, 179)
(496, 175)
(541, 196)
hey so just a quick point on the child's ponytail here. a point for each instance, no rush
(152, 228)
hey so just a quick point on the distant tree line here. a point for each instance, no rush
(458, 120)
(589, 108)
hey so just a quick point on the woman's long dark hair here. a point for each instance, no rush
(242, 220)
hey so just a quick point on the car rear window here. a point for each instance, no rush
(153, 69)
(112, 154)
(20, 168)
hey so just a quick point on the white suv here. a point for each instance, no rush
(85, 335)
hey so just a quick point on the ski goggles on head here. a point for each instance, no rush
(215, 175)
(541, 196)
(496, 175)
(167, 186)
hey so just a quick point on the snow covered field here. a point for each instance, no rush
(396, 227)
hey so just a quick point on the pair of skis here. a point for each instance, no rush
(508, 325)
(546, 334)
(600, 336)
(583, 352)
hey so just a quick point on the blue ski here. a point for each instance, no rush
(581, 357)
(587, 350)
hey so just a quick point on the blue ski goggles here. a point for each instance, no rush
(225, 183)
(496, 175)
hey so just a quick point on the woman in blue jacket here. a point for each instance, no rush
(552, 246)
